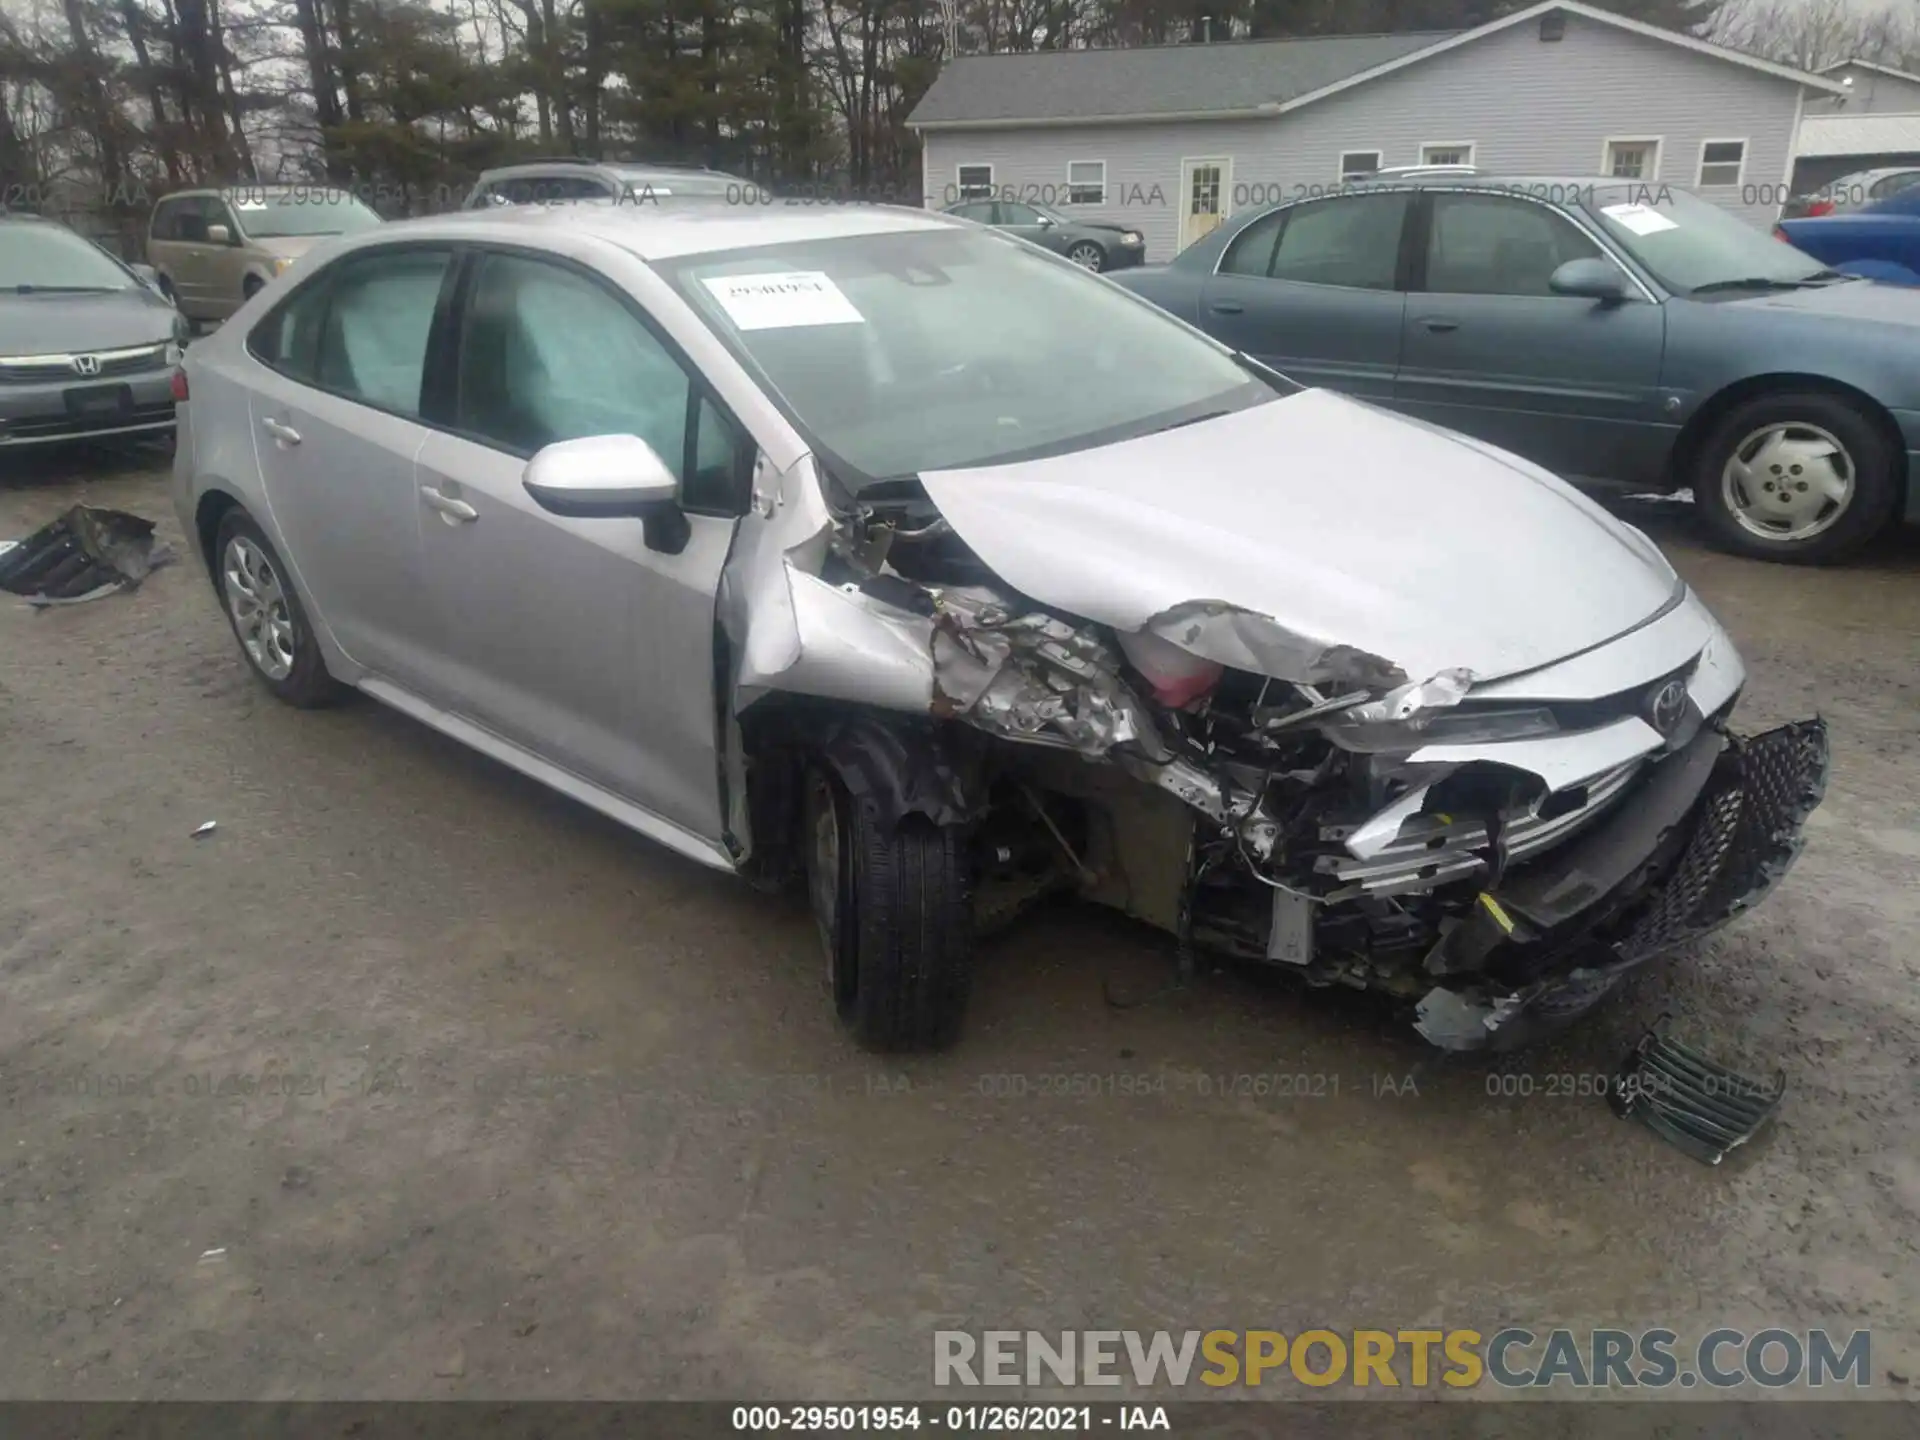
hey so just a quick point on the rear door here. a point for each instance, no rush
(336, 427)
(571, 638)
(1489, 349)
(1313, 290)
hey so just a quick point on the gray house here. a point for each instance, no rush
(1168, 140)
(1875, 125)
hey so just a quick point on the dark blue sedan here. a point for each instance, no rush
(1880, 240)
(1618, 333)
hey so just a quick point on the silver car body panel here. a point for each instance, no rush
(1310, 532)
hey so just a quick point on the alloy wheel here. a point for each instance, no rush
(1086, 255)
(258, 602)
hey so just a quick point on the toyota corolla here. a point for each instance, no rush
(880, 553)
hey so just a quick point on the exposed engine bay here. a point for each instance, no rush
(1494, 851)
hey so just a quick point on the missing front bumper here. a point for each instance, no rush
(1743, 835)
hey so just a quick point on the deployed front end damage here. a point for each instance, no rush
(1493, 851)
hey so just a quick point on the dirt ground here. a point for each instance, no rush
(414, 1080)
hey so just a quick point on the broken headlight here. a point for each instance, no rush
(1354, 731)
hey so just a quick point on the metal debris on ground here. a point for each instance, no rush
(206, 829)
(1697, 1104)
(87, 553)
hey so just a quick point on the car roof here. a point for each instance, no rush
(625, 169)
(1538, 185)
(663, 232)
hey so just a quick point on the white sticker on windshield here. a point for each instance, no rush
(774, 302)
(1640, 219)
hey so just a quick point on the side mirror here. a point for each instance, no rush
(219, 235)
(1046, 222)
(1591, 278)
(610, 477)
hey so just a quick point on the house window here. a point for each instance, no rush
(1358, 164)
(1086, 182)
(1632, 159)
(976, 182)
(1722, 161)
(1447, 152)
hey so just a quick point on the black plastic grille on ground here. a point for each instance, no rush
(86, 551)
(1749, 832)
(1699, 1105)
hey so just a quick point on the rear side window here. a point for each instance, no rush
(373, 341)
(288, 340)
(359, 328)
(1251, 252)
(1353, 241)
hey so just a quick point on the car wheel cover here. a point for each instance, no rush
(1787, 481)
(258, 603)
(1085, 255)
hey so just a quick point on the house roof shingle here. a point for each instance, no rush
(1158, 80)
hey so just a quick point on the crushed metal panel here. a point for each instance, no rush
(1245, 640)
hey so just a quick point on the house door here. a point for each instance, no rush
(1204, 187)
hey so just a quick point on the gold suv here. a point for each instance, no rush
(214, 248)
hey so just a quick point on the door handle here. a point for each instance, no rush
(280, 431)
(1226, 307)
(1439, 324)
(448, 506)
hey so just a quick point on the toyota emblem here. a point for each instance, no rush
(1667, 707)
(86, 364)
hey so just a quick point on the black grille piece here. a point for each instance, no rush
(1749, 832)
(1699, 1105)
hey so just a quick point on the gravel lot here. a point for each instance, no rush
(539, 1110)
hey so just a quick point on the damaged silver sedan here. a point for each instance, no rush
(886, 555)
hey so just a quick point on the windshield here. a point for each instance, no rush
(934, 349)
(1686, 242)
(273, 214)
(36, 256)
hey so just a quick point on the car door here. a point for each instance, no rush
(1570, 382)
(1312, 289)
(1029, 224)
(187, 253)
(567, 637)
(335, 411)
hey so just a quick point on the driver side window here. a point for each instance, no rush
(548, 355)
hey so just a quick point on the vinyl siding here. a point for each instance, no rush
(1528, 107)
(1873, 94)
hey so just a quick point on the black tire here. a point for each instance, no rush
(166, 289)
(1876, 466)
(250, 287)
(1096, 260)
(895, 917)
(306, 685)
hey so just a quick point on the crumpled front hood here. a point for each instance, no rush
(1354, 530)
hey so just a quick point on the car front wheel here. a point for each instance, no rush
(895, 918)
(1804, 477)
(268, 621)
(1088, 256)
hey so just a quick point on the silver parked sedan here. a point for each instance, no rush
(88, 347)
(873, 548)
